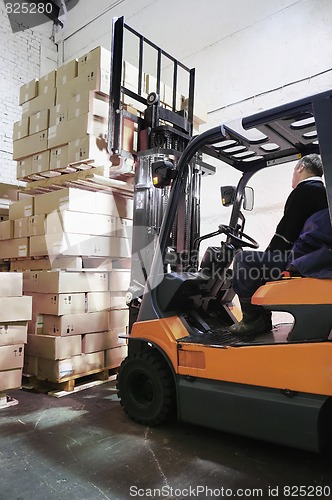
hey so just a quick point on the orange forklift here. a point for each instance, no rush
(182, 359)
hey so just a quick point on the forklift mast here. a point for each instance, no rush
(163, 132)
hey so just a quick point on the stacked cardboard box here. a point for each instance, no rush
(65, 118)
(15, 312)
(68, 223)
(77, 320)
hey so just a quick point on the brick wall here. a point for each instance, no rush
(23, 56)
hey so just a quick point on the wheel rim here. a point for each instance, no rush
(142, 389)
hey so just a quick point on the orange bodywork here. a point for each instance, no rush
(294, 291)
(303, 367)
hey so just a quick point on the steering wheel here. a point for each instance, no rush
(243, 241)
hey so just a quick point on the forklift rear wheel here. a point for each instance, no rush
(146, 388)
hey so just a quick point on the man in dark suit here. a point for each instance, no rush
(252, 269)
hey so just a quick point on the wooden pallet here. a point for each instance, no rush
(69, 385)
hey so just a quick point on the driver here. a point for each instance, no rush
(252, 269)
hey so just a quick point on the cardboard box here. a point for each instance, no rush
(49, 347)
(10, 379)
(36, 225)
(21, 227)
(21, 208)
(35, 325)
(15, 309)
(13, 333)
(12, 249)
(66, 72)
(11, 357)
(98, 58)
(58, 304)
(116, 205)
(47, 82)
(64, 281)
(115, 356)
(119, 280)
(40, 162)
(129, 75)
(75, 324)
(96, 80)
(97, 301)
(88, 101)
(71, 130)
(65, 199)
(118, 300)
(44, 101)
(28, 91)
(59, 157)
(6, 229)
(118, 318)
(46, 264)
(39, 121)
(21, 129)
(89, 149)
(58, 244)
(58, 114)
(24, 167)
(10, 284)
(30, 145)
(124, 228)
(94, 342)
(80, 223)
(65, 368)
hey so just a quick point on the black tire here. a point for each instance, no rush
(146, 388)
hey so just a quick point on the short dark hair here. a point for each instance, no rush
(313, 164)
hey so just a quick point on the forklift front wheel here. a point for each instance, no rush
(146, 388)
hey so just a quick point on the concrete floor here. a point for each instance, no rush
(82, 446)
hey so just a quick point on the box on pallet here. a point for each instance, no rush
(98, 301)
(90, 149)
(58, 244)
(64, 282)
(11, 284)
(13, 249)
(30, 145)
(58, 114)
(21, 227)
(21, 208)
(115, 356)
(13, 333)
(88, 101)
(10, 379)
(36, 225)
(70, 130)
(66, 72)
(100, 341)
(59, 157)
(11, 357)
(97, 80)
(21, 129)
(66, 368)
(44, 101)
(39, 121)
(97, 58)
(28, 91)
(49, 347)
(58, 303)
(81, 223)
(47, 82)
(15, 309)
(118, 319)
(24, 167)
(6, 229)
(75, 324)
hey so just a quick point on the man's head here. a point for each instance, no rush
(308, 166)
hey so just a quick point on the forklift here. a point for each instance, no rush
(182, 360)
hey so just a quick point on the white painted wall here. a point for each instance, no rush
(23, 55)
